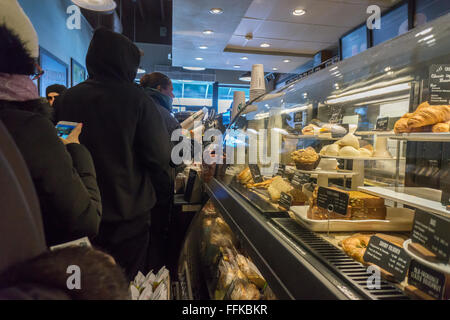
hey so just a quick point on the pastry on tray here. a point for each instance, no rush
(356, 245)
(426, 118)
(361, 206)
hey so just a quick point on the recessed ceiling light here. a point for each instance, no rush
(275, 69)
(236, 66)
(194, 68)
(208, 32)
(199, 59)
(299, 12)
(97, 5)
(203, 47)
(244, 58)
(216, 11)
(286, 60)
(140, 70)
(264, 45)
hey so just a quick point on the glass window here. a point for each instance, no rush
(354, 42)
(193, 90)
(427, 10)
(393, 24)
(177, 89)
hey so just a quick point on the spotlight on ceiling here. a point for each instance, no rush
(247, 77)
(299, 12)
(216, 11)
(96, 5)
(194, 68)
(208, 32)
(264, 45)
(140, 70)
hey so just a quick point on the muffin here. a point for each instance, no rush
(305, 159)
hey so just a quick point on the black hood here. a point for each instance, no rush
(112, 56)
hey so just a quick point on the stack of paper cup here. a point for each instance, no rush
(258, 83)
(238, 102)
(257, 86)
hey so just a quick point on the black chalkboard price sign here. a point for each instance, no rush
(281, 170)
(432, 232)
(439, 84)
(382, 124)
(426, 279)
(388, 256)
(256, 173)
(299, 179)
(333, 200)
(285, 200)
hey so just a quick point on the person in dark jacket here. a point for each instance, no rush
(62, 171)
(160, 89)
(128, 141)
(53, 91)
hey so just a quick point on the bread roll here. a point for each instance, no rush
(441, 127)
(323, 151)
(332, 150)
(349, 152)
(349, 140)
(429, 115)
(277, 186)
(366, 153)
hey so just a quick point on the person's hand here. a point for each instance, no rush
(73, 136)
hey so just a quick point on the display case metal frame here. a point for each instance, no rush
(292, 271)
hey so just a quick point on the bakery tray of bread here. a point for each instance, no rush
(364, 212)
(397, 220)
(422, 198)
(350, 148)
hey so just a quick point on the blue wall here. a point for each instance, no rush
(49, 19)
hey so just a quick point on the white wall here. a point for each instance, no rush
(49, 19)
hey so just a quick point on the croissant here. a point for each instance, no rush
(401, 125)
(429, 115)
(441, 127)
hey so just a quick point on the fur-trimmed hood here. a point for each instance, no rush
(19, 41)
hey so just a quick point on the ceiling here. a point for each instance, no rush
(296, 38)
(146, 21)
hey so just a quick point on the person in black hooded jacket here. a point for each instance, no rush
(63, 174)
(128, 141)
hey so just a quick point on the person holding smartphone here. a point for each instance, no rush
(62, 171)
(129, 143)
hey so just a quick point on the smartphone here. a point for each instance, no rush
(64, 128)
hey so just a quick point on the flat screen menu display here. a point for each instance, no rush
(393, 24)
(354, 42)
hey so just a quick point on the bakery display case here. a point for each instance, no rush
(337, 186)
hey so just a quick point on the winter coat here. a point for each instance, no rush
(166, 111)
(124, 132)
(64, 176)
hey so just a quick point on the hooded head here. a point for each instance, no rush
(112, 56)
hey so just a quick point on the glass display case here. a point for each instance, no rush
(338, 185)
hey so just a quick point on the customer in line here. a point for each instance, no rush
(54, 91)
(128, 140)
(160, 89)
(27, 269)
(62, 171)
